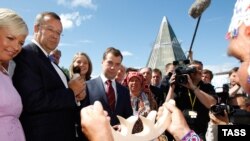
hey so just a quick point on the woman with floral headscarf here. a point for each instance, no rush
(239, 40)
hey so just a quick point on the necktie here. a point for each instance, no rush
(110, 94)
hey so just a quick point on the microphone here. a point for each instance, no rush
(76, 72)
(198, 7)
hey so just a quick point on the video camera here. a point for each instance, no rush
(181, 70)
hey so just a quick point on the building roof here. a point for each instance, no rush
(166, 48)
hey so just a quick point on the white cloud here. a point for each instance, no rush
(85, 41)
(75, 43)
(78, 3)
(126, 53)
(69, 20)
(220, 68)
(66, 44)
(219, 80)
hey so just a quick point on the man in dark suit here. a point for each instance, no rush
(49, 99)
(97, 88)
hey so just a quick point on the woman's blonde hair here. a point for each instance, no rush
(11, 20)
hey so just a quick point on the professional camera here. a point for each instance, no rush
(236, 116)
(219, 109)
(223, 95)
(181, 70)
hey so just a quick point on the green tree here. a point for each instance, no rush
(65, 70)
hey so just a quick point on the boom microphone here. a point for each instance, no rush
(198, 7)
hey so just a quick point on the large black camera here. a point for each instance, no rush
(236, 116)
(182, 70)
(219, 109)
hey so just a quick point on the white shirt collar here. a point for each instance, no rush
(104, 79)
(35, 42)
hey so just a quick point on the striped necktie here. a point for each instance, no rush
(110, 94)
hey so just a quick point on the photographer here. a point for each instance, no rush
(236, 112)
(192, 96)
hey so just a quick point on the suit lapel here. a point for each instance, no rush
(46, 61)
(67, 77)
(102, 89)
(119, 96)
(42, 56)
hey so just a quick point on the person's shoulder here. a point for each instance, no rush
(207, 85)
(93, 80)
(208, 88)
(29, 46)
(27, 49)
(25, 53)
(156, 89)
(121, 87)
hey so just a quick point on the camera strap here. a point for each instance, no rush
(192, 113)
(192, 101)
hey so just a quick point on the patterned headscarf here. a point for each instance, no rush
(135, 74)
(241, 15)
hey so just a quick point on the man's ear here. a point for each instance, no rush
(247, 31)
(36, 28)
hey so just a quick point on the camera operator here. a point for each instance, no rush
(193, 97)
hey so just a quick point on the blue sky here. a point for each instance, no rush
(132, 26)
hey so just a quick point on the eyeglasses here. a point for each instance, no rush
(52, 30)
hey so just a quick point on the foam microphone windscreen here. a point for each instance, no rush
(198, 7)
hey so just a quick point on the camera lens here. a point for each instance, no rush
(181, 79)
(217, 109)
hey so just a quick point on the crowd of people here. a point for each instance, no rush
(39, 102)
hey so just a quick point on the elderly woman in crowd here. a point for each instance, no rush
(141, 104)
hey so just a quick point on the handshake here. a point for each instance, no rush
(168, 117)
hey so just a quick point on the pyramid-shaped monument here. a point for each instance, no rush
(166, 48)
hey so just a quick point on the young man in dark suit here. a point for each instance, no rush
(97, 89)
(49, 99)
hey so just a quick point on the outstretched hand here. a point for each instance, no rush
(93, 120)
(178, 126)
